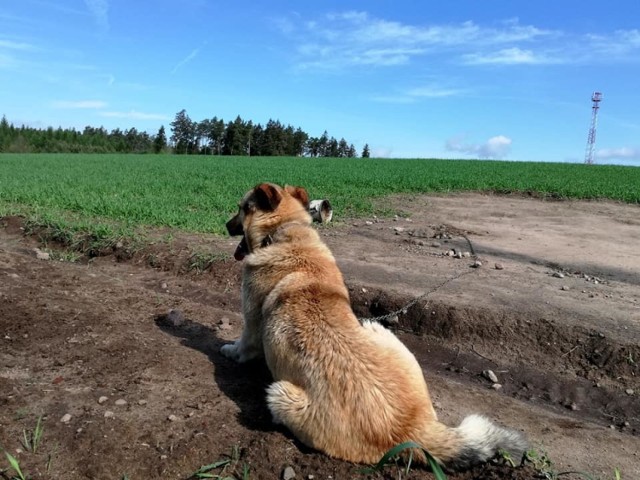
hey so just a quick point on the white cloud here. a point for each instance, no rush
(619, 44)
(433, 91)
(508, 56)
(11, 45)
(381, 152)
(99, 9)
(496, 147)
(415, 94)
(134, 115)
(87, 104)
(187, 59)
(355, 38)
(623, 153)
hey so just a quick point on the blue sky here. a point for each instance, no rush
(466, 79)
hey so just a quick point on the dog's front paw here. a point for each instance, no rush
(231, 351)
(239, 352)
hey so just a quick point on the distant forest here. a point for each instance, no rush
(208, 137)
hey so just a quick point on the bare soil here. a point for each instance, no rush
(553, 311)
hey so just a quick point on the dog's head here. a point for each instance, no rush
(262, 210)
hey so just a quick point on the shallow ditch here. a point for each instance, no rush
(578, 372)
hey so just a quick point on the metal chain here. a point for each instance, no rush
(405, 309)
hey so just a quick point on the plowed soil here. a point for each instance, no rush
(126, 390)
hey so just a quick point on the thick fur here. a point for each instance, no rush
(348, 389)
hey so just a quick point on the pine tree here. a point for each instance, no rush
(365, 151)
(160, 141)
(184, 132)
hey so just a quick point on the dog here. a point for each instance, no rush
(349, 389)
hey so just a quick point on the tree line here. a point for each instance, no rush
(239, 137)
(207, 137)
(26, 139)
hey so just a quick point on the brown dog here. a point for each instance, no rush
(348, 389)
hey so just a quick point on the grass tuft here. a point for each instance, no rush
(15, 465)
(392, 456)
(31, 439)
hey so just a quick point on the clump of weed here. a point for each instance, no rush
(31, 438)
(229, 468)
(202, 261)
(393, 457)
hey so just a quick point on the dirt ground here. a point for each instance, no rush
(127, 391)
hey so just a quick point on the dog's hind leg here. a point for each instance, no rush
(290, 405)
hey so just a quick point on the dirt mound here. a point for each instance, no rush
(125, 390)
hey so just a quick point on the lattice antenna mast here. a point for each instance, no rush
(596, 98)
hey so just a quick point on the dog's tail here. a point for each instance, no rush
(474, 441)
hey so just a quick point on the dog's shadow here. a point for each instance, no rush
(244, 383)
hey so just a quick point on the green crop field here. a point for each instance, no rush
(198, 194)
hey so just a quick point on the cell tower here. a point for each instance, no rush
(596, 98)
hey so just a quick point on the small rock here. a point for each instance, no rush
(224, 323)
(109, 414)
(499, 266)
(79, 431)
(121, 402)
(102, 399)
(489, 375)
(142, 402)
(368, 222)
(364, 290)
(398, 230)
(175, 318)
(310, 477)
(435, 244)
(458, 255)
(466, 254)
(612, 427)
(164, 285)
(66, 418)
(40, 255)
(496, 386)
(394, 320)
(565, 288)
(573, 406)
(627, 424)
(629, 391)
(172, 418)
(288, 473)
(476, 264)
(163, 457)
(14, 275)
(558, 274)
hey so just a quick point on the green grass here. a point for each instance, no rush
(196, 193)
(31, 439)
(15, 465)
(392, 456)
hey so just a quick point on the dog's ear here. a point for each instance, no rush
(298, 193)
(267, 196)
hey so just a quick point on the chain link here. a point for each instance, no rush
(405, 309)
